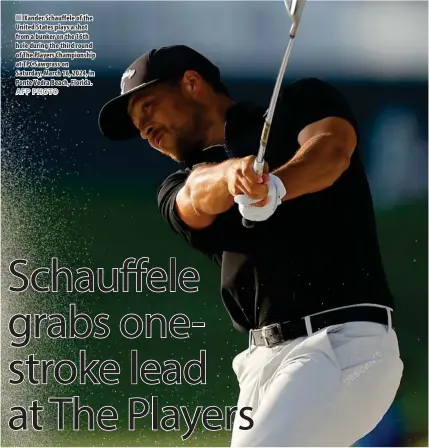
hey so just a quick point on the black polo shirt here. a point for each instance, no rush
(318, 251)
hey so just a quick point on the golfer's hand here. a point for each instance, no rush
(242, 180)
(276, 191)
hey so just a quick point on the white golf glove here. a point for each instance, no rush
(276, 192)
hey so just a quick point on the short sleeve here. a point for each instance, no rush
(310, 100)
(167, 193)
(206, 240)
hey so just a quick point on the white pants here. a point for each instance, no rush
(329, 389)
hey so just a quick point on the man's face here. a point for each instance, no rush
(169, 119)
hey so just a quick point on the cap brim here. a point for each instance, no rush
(114, 121)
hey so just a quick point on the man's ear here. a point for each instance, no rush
(192, 82)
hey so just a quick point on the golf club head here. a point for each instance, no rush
(294, 9)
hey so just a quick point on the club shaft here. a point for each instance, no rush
(271, 109)
(259, 162)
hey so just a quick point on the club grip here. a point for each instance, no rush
(258, 168)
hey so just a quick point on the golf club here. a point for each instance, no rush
(294, 9)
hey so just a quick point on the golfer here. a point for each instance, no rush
(306, 281)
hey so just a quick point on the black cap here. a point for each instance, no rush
(154, 66)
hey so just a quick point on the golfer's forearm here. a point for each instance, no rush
(207, 187)
(316, 166)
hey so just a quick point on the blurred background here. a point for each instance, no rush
(70, 193)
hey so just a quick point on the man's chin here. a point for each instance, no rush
(177, 155)
(177, 159)
(174, 156)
